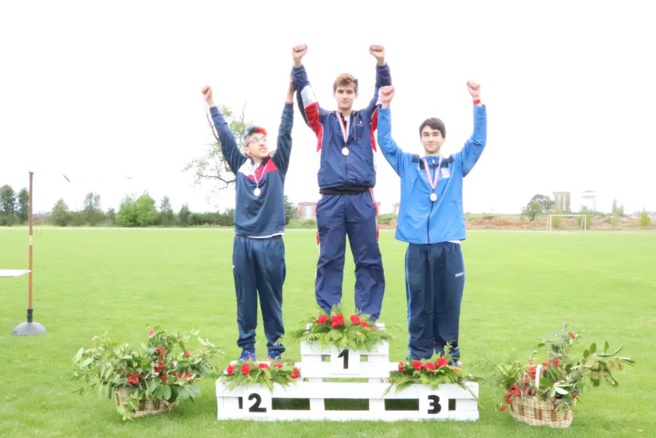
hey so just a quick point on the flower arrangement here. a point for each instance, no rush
(163, 370)
(244, 372)
(558, 378)
(428, 372)
(355, 332)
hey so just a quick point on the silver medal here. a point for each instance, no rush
(256, 192)
(345, 151)
(433, 197)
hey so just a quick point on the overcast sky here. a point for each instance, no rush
(108, 93)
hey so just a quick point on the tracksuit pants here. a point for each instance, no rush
(259, 269)
(352, 215)
(435, 280)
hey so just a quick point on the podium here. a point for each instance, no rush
(343, 385)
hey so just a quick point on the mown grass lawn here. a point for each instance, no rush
(520, 286)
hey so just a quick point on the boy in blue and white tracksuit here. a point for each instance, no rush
(346, 147)
(431, 220)
(258, 256)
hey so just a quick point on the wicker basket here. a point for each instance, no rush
(146, 407)
(537, 412)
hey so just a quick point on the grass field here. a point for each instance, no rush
(520, 287)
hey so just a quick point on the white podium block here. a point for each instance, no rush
(325, 363)
(330, 401)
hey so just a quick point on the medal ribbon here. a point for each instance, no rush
(433, 181)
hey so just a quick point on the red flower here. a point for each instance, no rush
(401, 366)
(322, 319)
(430, 366)
(160, 366)
(355, 319)
(532, 370)
(575, 394)
(556, 361)
(164, 377)
(572, 335)
(133, 379)
(337, 320)
(503, 408)
(151, 333)
(416, 364)
(245, 368)
(295, 373)
(441, 362)
(364, 324)
(186, 353)
(230, 369)
(277, 365)
(161, 351)
(263, 365)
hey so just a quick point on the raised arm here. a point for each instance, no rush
(393, 154)
(383, 75)
(284, 148)
(474, 146)
(229, 147)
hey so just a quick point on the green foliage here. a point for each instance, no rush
(184, 216)
(91, 213)
(588, 218)
(558, 377)
(386, 218)
(60, 214)
(302, 223)
(644, 220)
(162, 369)
(428, 372)
(23, 208)
(539, 204)
(212, 166)
(290, 211)
(245, 372)
(355, 332)
(7, 200)
(139, 213)
(166, 214)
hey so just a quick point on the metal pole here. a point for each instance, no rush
(29, 327)
(29, 294)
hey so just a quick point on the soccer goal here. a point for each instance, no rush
(568, 222)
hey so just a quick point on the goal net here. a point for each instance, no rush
(567, 222)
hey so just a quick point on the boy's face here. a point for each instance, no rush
(256, 147)
(345, 95)
(432, 140)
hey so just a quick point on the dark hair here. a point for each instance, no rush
(345, 79)
(253, 130)
(433, 123)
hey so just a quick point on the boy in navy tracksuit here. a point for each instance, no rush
(258, 256)
(347, 175)
(431, 220)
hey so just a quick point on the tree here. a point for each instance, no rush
(539, 204)
(212, 165)
(184, 216)
(7, 200)
(60, 214)
(166, 215)
(92, 212)
(137, 213)
(290, 211)
(644, 221)
(23, 210)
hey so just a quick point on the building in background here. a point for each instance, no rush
(562, 201)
